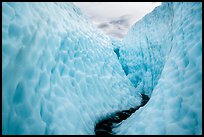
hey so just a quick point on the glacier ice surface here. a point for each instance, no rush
(60, 74)
(163, 55)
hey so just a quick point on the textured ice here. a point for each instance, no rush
(60, 75)
(163, 52)
(144, 50)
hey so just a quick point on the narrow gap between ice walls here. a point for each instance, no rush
(105, 125)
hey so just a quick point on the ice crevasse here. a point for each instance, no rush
(162, 54)
(59, 73)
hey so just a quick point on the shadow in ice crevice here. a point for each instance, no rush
(104, 127)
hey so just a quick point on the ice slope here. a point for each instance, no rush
(166, 44)
(60, 75)
(116, 46)
(144, 50)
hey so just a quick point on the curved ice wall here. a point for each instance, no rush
(60, 75)
(166, 46)
(145, 47)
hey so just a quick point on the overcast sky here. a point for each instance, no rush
(115, 18)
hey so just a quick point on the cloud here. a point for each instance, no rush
(115, 18)
(103, 25)
(116, 27)
(122, 20)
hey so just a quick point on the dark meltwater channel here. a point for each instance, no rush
(104, 127)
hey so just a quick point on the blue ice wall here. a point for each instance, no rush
(165, 47)
(145, 48)
(60, 74)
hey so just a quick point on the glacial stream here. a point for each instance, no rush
(104, 127)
